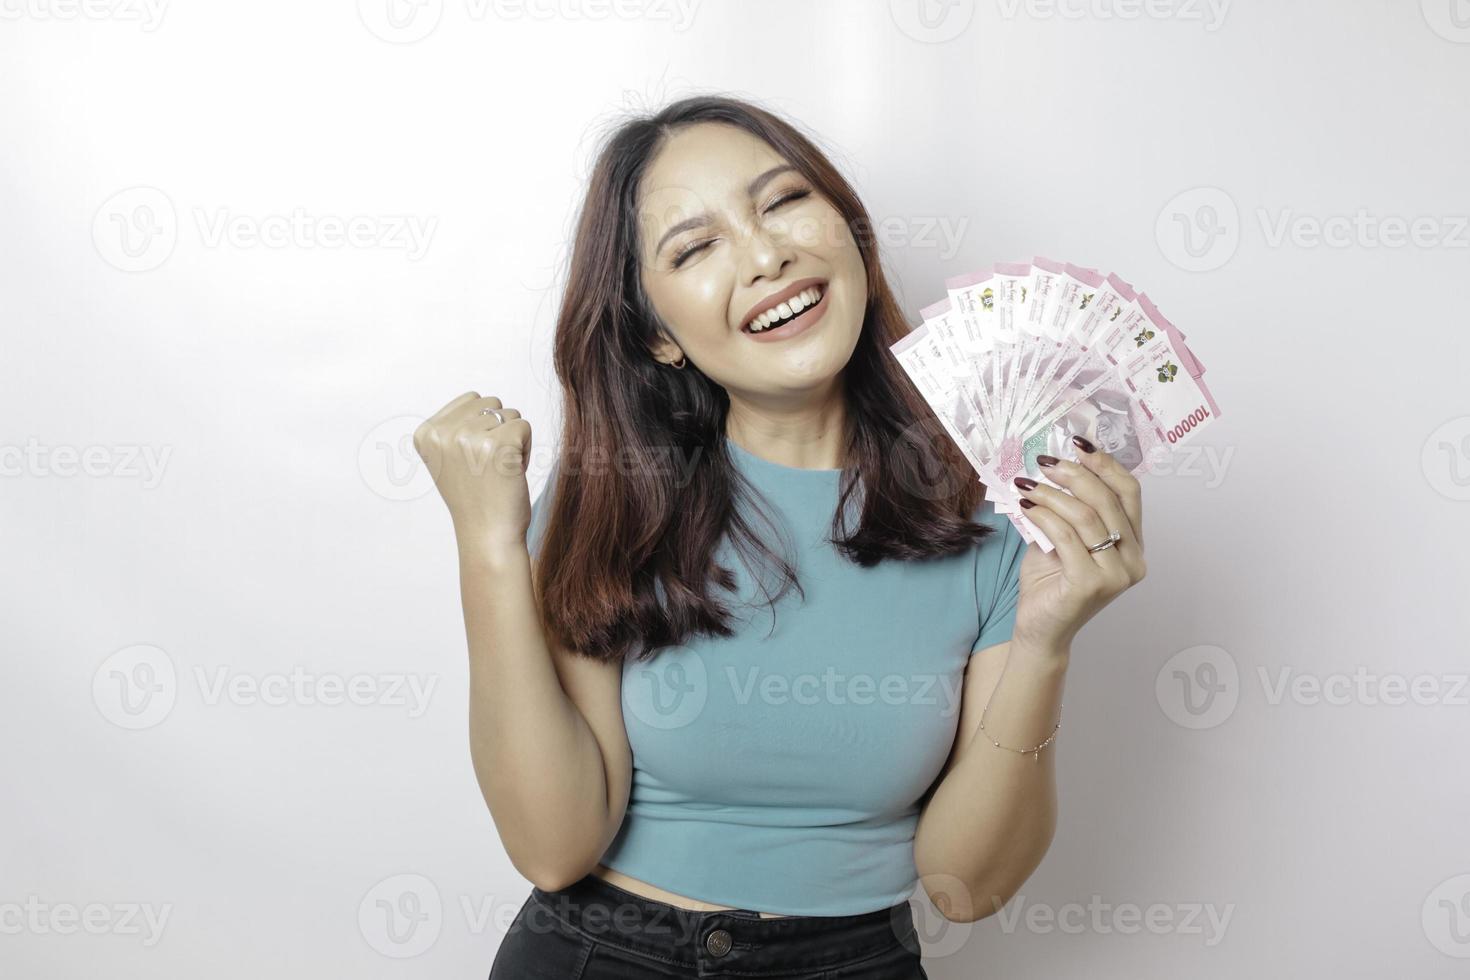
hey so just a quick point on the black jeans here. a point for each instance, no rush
(594, 930)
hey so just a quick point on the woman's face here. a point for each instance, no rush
(723, 230)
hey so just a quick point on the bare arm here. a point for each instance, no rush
(556, 780)
(991, 819)
(546, 728)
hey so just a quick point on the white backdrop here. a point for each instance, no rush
(246, 247)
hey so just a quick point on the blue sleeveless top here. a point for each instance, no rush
(779, 769)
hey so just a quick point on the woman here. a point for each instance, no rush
(701, 771)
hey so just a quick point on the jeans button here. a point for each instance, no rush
(718, 942)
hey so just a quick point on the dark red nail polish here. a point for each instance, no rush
(1045, 460)
(1028, 504)
(1025, 483)
(1084, 445)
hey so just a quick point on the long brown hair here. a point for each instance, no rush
(627, 561)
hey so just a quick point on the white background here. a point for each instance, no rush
(250, 505)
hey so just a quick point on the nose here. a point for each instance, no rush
(763, 255)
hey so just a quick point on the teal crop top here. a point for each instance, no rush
(780, 769)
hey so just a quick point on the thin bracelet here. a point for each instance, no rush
(1036, 752)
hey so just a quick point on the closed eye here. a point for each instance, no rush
(787, 198)
(695, 247)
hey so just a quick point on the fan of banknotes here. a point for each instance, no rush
(1019, 358)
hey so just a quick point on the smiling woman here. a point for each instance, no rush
(652, 752)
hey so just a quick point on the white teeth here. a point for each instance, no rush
(791, 307)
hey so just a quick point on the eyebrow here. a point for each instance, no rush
(751, 190)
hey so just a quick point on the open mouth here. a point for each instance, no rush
(787, 311)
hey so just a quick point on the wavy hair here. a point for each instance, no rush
(627, 562)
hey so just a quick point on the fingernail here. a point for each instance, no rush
(1025, 483)
(1028, 504)
(1044, 460)
(1084, 445)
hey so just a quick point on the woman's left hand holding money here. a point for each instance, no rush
(1061, 590)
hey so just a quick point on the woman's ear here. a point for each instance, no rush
(666, 351)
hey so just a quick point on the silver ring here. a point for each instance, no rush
(1113, 538)
(495, 412)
